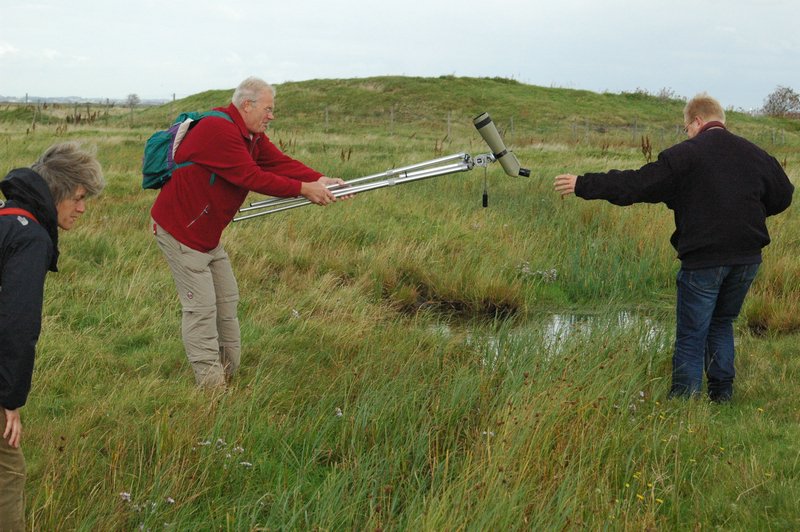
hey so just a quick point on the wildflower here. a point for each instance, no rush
(238, 449)
(295, 313)
(170, 500)
(548, 276)
(245, 464)
(640, 496)
(204, 443)
(489, 433)
(339, 412)
(627, 485)
(660, 501)
(125, 496)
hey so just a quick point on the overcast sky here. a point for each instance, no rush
(737, 50)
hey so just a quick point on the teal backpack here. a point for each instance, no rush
(158, 161)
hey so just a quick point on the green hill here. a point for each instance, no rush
(417, 100)
(413, 100)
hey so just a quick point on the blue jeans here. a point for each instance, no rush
(709, 299)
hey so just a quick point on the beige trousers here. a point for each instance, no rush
(209, 296)
(12, 484)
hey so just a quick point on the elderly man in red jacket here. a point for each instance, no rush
(230, 158)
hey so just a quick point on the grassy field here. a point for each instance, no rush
(411, 361)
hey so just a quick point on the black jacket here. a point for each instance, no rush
(721, 188)
(27, 250)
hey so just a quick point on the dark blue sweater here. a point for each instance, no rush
(720, 187)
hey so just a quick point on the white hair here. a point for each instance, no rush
(250, 89)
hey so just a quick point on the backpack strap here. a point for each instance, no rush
(190, 124)
(219, 114)
(10, 211)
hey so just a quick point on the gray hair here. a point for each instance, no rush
(250, 89)
(67, 166)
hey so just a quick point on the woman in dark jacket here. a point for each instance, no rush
(39, 200)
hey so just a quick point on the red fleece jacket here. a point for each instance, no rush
(195, 210)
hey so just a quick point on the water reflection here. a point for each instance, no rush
(549, 336)
(559, 328)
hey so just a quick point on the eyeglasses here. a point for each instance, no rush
(267, 110)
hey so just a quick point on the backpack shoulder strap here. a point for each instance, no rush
(11, 211)
(219, 114)
(187, 121)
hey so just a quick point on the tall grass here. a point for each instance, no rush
(401, 369)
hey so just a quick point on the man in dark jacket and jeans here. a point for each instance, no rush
(721, 189)
(40, 200)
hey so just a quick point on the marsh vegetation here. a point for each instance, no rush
(402, 368)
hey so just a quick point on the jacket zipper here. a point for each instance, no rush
(205, 211)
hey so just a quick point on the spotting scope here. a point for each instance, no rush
(485, 126)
